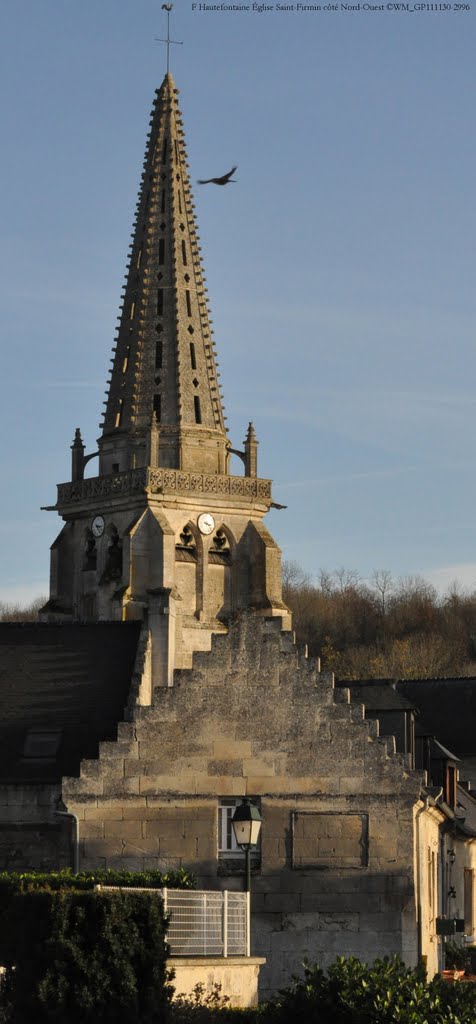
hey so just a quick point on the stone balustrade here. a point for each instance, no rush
(162, 481)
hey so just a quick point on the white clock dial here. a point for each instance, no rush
(97, 526)
(206, 523)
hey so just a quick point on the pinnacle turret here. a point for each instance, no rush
(77, 456)
(164, 376)
(250, 445)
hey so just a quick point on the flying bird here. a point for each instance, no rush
(219, 181)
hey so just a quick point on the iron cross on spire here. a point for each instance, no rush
(168, 41)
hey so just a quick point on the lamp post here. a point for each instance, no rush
(246, 822)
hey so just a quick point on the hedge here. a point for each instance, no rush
(12, 883)
(84, 956)
(87, 957)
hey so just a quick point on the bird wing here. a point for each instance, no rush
(217, 181)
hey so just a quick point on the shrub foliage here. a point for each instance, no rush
(87, 957)
(76, 955)
(387, 992)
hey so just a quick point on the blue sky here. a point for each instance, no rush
(340, 265)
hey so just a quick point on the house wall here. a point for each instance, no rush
(429, 883)
(460, 862)
(254, 717)
(31, 836)
(237, 977)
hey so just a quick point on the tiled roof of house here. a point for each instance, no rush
(63, 688)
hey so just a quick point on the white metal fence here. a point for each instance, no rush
(203, 923)
(208, 923)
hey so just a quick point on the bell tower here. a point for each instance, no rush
(164, 532)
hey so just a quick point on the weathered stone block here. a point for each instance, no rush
(233, 768)
(91, 830)
(282, 902)
(135, 810)
(104, 811)
(160, 784)
(352, 784)
(83, 786)
(110, 750)
(123, 829)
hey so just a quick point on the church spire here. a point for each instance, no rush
(164, 379)
(186, 536)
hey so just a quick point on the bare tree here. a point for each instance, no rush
(294, 576)
(346, 579)
(382, 581)
(10, 612)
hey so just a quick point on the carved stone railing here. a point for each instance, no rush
(162, 481)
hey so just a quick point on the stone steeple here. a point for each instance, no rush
(165, 533)
(163, 401)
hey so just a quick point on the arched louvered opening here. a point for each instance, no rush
(220, 574)
(189, 568)
(90, 555)
(111, 555)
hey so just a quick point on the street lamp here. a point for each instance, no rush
(246, 823)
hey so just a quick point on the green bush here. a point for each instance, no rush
(456, 956)
(12, 883)
(87, 957)
(67, 919)
(385, 993)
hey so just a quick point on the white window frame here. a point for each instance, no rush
(227, 845)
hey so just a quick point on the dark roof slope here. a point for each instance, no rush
(447, 710)
(69, 679)
(377, 695)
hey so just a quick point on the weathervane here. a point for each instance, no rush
(168, 41)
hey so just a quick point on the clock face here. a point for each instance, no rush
(206, 523)
(97, 526)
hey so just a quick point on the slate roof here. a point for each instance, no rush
(446, 707)
(377, 695)
(447, 710)
(68, 679)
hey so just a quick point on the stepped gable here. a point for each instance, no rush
(63, 688)
(164, 371)
(302, 735)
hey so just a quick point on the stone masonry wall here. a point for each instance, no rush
(254, 717)
(31, 836)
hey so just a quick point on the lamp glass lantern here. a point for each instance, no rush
(246, 822)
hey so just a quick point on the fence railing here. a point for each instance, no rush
(204, 923)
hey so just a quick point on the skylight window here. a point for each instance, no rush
(41, 745)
